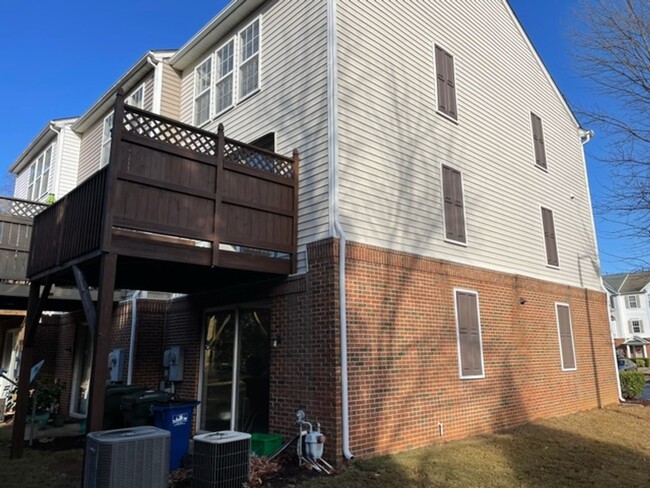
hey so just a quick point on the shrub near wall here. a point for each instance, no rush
(632, 383)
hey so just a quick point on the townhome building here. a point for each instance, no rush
(629, 308)
(375, 212)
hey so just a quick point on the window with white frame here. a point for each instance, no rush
(39, 175)
(631, 301)
(249, 59)
(468, 329)
(224, 95)
(635, 326)
(202, 91)
(565, 336)
(106, 140)
(136, 99)
(228, 75)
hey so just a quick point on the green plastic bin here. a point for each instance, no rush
(265, 444)
(137, 407)
(113, 418)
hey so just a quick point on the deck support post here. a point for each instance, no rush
(35, 306)
(101, 342)
(218, 197)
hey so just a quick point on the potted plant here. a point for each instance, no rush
(47, 396)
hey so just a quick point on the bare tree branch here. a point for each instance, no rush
(613, 55)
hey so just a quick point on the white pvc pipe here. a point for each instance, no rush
(335, 225)
(134, 325)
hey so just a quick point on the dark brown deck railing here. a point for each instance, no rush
(177, 193)
(16, 218)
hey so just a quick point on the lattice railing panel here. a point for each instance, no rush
(239, 154)
(20, 208)
(164, 131)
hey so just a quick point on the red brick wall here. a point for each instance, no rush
(402, 350)
(147, 368)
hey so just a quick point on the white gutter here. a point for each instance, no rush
(59, 155)
(134, 325)
(157, 83)
(335, 226)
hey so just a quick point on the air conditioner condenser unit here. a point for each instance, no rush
(127, 458)
(221, 459)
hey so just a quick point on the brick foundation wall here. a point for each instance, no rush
(402, 350)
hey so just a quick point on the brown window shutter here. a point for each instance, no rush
(549, 238)
(452, 188)
(469, 334)
(566, 338)
(538, 139)
(446, 82)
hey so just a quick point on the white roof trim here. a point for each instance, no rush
(38, 143)
(221, 24)
(127, 81)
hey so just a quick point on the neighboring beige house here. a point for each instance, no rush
(150, 84)
(629, 308)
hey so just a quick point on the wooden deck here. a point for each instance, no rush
(173, 195)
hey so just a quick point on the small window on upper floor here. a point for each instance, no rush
(107, 130)
(228, 75)
(454, 206)
(136, 99)
(635, 326)
(224, 79)
(39, 175)
(202, 91)
(249, 59)
(632, 301)
(550, 241)
(538, 140)
(446, 83)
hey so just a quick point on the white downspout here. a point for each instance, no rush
(55, 169)
(585, 137)
(335, 226)
(134, 324)
(157, 84)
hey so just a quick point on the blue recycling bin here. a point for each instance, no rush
(176, 417)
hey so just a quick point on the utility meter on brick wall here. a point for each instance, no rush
(173, 363)
(116, 365)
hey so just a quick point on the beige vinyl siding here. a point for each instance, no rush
(21, 184)
(90, 150)
(292, 102)
(171, 92)
(393, 141)
(69, 163)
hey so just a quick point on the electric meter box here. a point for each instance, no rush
(173, 360)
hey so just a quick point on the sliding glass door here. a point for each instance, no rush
(235, 386)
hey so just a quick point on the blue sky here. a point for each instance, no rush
(60, 56)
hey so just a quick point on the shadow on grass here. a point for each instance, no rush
(530, 456)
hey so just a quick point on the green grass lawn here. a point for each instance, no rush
(601, 448)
